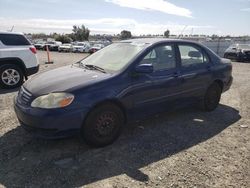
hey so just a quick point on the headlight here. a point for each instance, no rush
(53, 100)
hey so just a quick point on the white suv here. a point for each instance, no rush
(18, 59)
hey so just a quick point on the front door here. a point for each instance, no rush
(153, 92)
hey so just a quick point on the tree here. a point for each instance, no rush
(80, 33)
(167, 33)
(126, 34)
(214, 36)
(63, 38)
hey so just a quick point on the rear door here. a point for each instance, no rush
(195, 71)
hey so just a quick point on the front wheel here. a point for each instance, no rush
(212, 97)
(11, 76)
(103, 125)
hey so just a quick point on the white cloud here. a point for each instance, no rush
(245, 9)
(153, 5)
(98, 26)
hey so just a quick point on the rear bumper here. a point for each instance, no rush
(228, 84)
(32, 70)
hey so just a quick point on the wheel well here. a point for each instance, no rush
(113, 102)
(220, 83)
(16, 61)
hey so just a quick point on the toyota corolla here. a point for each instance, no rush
(124, 81)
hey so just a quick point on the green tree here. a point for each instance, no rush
(167, 33)
(126, 34)
(63, 38)
(80, 33)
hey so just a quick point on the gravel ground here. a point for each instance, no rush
(185, 148)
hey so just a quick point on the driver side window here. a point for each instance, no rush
(161, 57)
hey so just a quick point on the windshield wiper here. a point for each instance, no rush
(94, 67)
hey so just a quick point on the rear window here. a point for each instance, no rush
(13, 40)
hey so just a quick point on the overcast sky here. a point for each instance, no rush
(221, 17)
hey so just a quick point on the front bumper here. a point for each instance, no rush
(78, 50)
(49, 124)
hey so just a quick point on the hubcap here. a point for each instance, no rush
(105, 124)
(10, 77)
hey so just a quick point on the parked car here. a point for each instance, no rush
(40, 45)
(96, 47)
(81, 47)
(18, 59)
(67, 47)
(53, 45)
(124, 81)
(238, 52)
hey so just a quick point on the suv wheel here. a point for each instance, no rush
(11, 76)
(103, 125)
(212, 97)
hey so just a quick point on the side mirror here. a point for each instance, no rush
(144, 68)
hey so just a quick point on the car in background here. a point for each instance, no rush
(67, 47)
(18, 59)
(52, 45)
(96, 47)
(40, 45)
(238, 52)
(125, 81)
(81, 47)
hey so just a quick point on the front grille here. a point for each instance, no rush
(24, 97)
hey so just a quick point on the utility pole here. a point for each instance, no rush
(12, 28)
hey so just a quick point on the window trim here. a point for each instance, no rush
(173, 45)
(27, 42)
(204, 53)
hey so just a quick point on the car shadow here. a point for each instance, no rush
(30, 162)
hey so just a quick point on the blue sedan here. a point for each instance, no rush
(124, 81)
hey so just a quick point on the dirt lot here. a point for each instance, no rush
(186, 148)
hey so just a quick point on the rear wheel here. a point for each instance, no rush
(11, 76)
(103, 125)
(212, 97)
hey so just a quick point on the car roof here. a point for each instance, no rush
(11, 33)
(154, 40)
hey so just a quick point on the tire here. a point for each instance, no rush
(212, 97)
(11, 76)
(103, 125)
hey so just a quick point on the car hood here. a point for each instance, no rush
(63, 79)
(64, 46)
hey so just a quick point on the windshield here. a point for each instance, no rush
(97, 45)
(115, 56)
(79, 44)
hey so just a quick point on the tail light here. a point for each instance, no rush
(33, 50)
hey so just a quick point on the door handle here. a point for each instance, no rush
(188, 76)
(176, 74)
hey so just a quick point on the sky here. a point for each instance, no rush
(220, 17)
